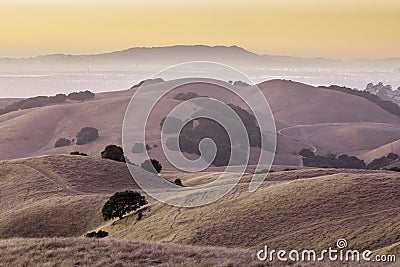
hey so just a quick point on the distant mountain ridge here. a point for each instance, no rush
(234, 55)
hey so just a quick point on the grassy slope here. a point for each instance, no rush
(297, 103)
(308, 208)
(63, 195)
(111, 252)
(347, 137)
(57, 195)
(287, 212)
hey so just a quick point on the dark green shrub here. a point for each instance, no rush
(83, 95)
(288, 169)
(113, 152)
(172, 143)
(86, 135)
(382, 162)
(178, 182)
(240, 83)
(331, 161)
(98, 234)
(306, 153)
(77, 153)
(152, 165)
(173, 125)
(121, 203)
(186, 96)
(392, 156)
(138, 148)
(62, 142)
(58, 98)
(263, 171)
(395, 169)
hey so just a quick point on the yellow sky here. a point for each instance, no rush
(336, 29)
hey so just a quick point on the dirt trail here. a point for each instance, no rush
(305, 142)
(52, 177)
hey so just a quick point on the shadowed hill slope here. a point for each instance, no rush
(57, 195)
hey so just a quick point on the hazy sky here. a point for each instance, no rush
(336, 29)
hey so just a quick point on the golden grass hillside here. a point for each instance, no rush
(62, 196)
(309, 208)
(111, 252)
(57, 195)
(68, 252)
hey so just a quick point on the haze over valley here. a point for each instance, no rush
(62, 73)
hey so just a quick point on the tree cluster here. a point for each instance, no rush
(98, 234)
(344, 161)
(62, 142)
(186, 96)
(81, 96)
(113, 152)
(41, 101)
(193, 133)
(86, 135)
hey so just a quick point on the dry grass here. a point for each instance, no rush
(295, 103)
(57, 195)
(339, 138)
(109, 252)
(67, 252)
(61, 196)
(362, 207)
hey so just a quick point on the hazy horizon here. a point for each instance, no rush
(35, 83)
(193, 45)
(307, 28)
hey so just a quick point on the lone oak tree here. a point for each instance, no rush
(121, 203)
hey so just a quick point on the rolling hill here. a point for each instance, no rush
(310, 208)
(57, 195)
(61, 196)
(306, 117)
